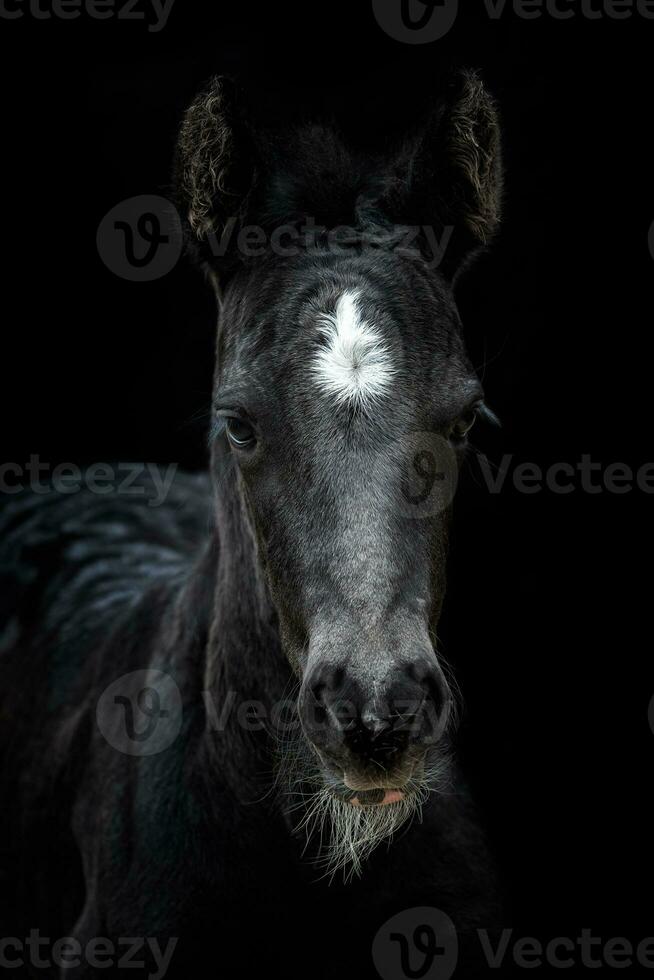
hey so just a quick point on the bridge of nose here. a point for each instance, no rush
(370, 648)
(365, 545)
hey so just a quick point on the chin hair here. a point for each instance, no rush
(343, 835)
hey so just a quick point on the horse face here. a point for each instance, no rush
(343, 397)
(344, 403)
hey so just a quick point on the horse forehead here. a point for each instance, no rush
(354, 363)
(342, 342)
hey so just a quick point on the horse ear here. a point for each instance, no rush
(453, 171)
(449, 174)
(214, 168)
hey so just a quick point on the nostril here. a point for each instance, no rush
(328, 681)
(318, 691)
(432, 681)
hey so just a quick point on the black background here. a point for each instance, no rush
(547, 618)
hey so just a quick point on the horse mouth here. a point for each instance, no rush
(377, 797)
(401, 786)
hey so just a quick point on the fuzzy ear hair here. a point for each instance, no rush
(473, 153)
(451, 174)
(448, 175)
(213, 164)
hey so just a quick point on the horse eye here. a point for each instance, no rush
(462, 426)
(240, 433)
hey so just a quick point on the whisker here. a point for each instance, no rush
(343, 836)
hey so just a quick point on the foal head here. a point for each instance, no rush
(344, 396)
